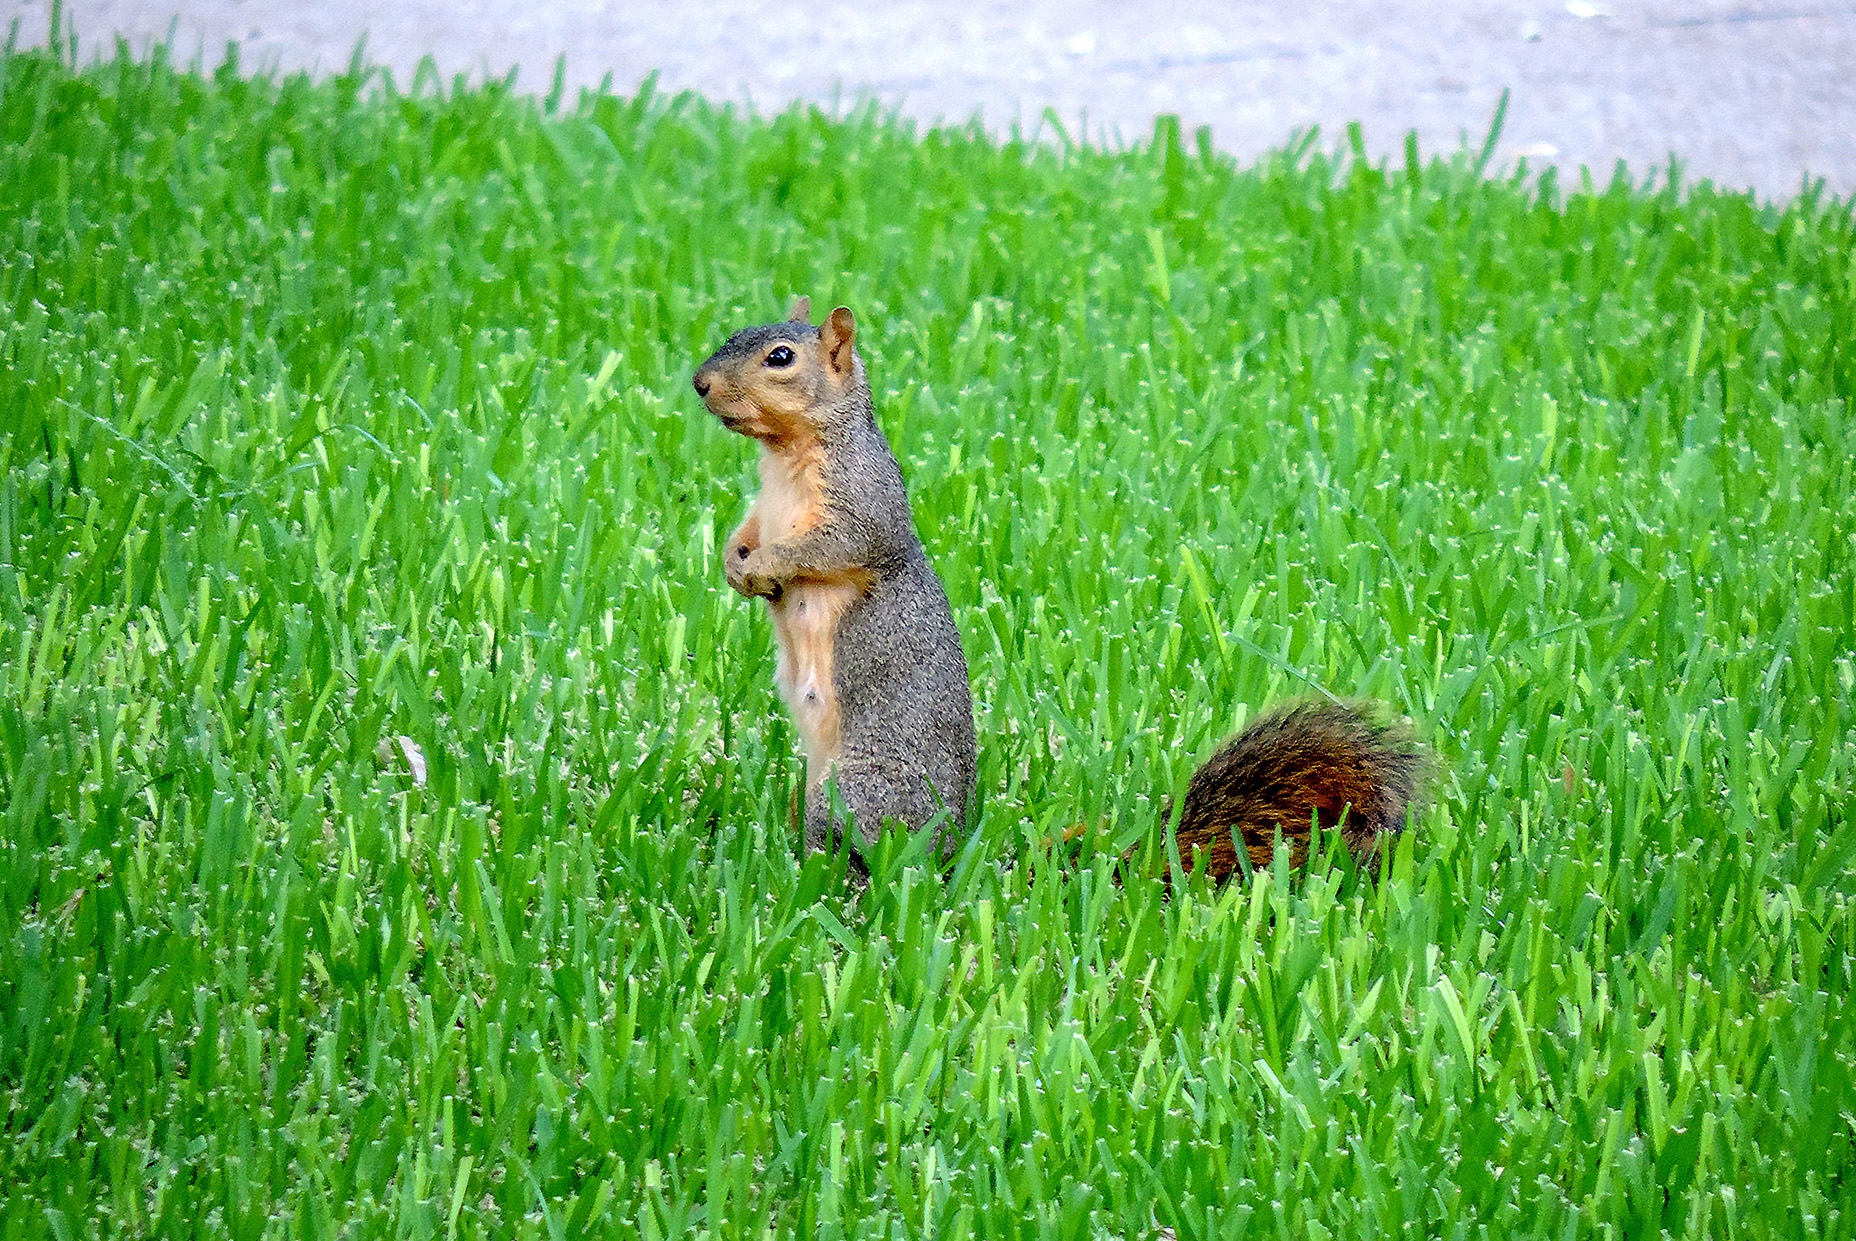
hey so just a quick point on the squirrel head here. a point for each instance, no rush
(787, 382)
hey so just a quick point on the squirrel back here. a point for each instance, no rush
(870, 662)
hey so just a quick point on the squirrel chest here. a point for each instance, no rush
(807, 612)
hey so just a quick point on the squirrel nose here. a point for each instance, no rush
(702, 384)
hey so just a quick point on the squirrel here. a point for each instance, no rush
(870, 662)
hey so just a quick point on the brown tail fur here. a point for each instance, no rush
(1305, 767)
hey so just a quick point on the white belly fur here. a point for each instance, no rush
(805, 621)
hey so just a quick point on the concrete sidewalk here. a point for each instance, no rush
(1756, 94)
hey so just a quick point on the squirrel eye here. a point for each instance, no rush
(780, 355)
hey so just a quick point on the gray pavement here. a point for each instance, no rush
(1755, 95)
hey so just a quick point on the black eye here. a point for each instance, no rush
(779, 355)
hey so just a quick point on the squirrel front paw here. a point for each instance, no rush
(739, 567)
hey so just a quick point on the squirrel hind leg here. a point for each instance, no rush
(1329, 765)
(825, 833)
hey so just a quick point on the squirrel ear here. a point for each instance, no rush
(838, 335)
(801, 312)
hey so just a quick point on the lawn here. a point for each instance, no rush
(395, 834)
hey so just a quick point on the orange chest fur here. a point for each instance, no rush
(791, 502)
(812, 602)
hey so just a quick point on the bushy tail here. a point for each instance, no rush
(1309, 765)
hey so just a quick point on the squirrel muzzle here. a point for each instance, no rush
(725, 399)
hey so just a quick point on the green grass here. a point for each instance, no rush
(343, 422)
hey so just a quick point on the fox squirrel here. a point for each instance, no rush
(869, 659)
(870, 663)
